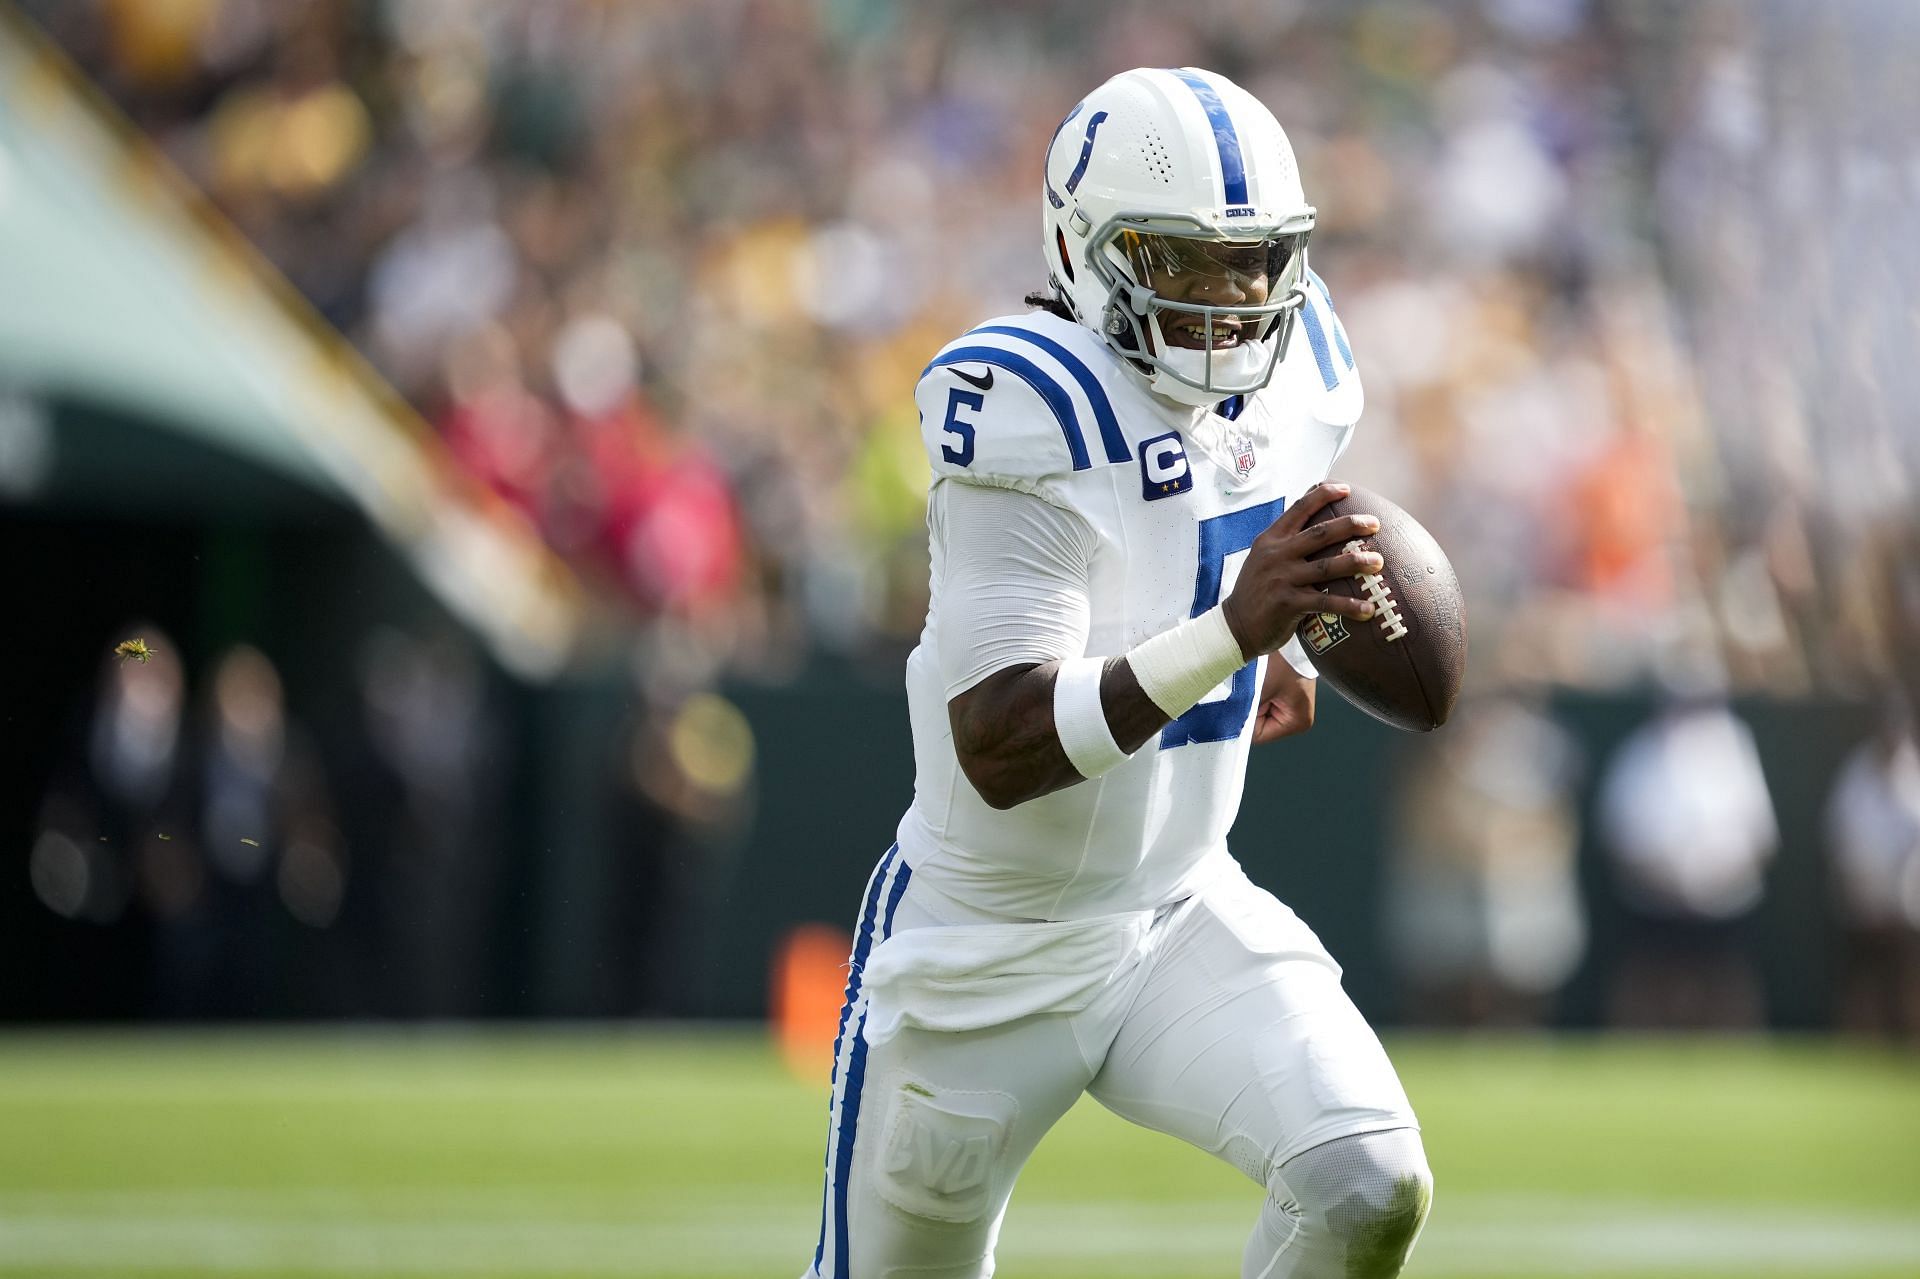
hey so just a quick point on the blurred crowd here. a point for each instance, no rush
(364, 863)
(1491, 910)
(1632, 284)
(228, 833)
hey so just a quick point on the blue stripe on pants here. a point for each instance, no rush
(862, 947)
(850, 1106)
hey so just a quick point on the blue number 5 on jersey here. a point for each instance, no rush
(1221, 538)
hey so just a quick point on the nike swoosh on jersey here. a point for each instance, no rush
(984, 383)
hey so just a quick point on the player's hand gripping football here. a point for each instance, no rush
(1277, 585)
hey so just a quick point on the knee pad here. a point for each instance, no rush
(1371, 1193)
(1379, 1228)
(940, 1149)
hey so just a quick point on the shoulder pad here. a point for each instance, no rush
(1320, 365)
(1016, 401)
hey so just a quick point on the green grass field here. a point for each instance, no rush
(539, 1153)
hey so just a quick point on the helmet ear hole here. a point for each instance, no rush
(1066, 261)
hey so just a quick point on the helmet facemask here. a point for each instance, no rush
(1240, 341)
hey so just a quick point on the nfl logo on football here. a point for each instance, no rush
(1322, 631)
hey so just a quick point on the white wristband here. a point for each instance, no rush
(1080, 719)
(1178, 667)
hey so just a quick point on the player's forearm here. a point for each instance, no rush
(1008, 744)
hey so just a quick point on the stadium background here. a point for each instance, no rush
(497, 417)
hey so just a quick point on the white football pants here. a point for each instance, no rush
(1228, 1029)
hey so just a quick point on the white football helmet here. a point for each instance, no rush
(1177, 230)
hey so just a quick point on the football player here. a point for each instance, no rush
(1117, 515)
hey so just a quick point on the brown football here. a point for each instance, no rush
(1404, 666)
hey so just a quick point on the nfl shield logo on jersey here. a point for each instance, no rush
(1243, 456)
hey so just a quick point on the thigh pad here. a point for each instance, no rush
(940, 1149)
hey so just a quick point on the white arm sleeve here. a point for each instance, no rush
(1013, 582)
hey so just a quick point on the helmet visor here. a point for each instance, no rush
(1176, 263)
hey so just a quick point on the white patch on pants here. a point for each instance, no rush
(937, 1154)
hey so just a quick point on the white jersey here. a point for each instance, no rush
(1173, 498)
